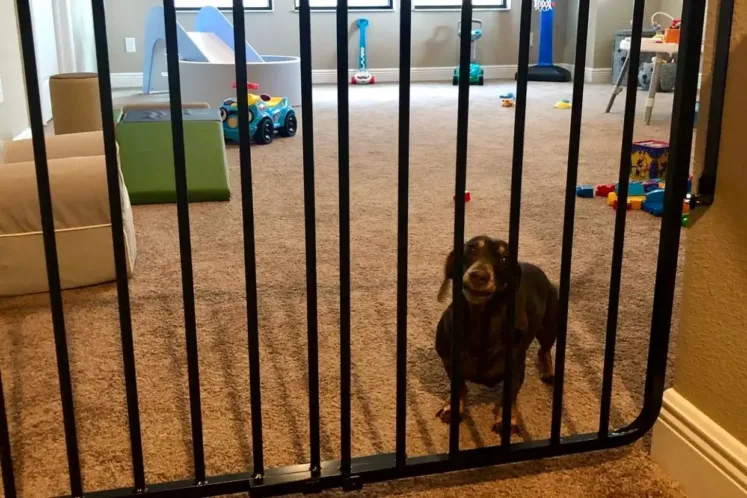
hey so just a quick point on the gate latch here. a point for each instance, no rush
(703, 199)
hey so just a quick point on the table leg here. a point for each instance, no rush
(618, 83)
(657, 60)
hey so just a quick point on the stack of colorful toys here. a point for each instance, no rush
(646, 189)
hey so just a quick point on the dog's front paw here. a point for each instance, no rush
(445, 414)
(547, 378)
(498, 425)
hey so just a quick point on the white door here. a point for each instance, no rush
(45, 44)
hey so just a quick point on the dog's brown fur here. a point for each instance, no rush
(483, 345)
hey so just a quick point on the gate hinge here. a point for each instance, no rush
(352, 483)
(702, 199)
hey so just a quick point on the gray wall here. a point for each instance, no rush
(613, 15)
(605, 18)
(435, 43)
(13, 113)
(671, 7)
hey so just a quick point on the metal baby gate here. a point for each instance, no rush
(353, 472)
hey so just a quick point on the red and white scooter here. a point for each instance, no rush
(362, 76)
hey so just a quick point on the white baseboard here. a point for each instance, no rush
(127, 80)
(25, 134)
(417, 74)
(705, 459)
(592, 74)
(391, 75)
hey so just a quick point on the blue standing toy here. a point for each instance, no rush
(362, 76)
(545, 70)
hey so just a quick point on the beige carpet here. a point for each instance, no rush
(27, 353)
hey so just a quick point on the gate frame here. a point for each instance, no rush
(352, 472)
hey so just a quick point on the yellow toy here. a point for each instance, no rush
(563, 104)
(507, 103)
(636, 202)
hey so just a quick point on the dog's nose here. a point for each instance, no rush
(479, 278)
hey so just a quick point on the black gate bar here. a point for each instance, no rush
(118, 243)
(343, 131)
(680, 151)
(522, 77)
(50, 245)
(707, 181)
(309, 202)
(405, 40)
(6, 461)
(185, 243)
(459, 213)
(579, 72)
(247, 221)
(620, 216)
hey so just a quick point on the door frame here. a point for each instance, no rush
(64, 35)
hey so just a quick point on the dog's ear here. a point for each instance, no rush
(448, 275)
(521, 318)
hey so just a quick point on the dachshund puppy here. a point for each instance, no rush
(483, 345)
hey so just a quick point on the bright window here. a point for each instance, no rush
(222, 4)
(456, 4)
(352, 4)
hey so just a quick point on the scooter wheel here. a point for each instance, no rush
(353, 81)
(373, 80)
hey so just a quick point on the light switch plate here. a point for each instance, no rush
(130, 45)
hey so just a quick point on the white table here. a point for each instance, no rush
(663, 51)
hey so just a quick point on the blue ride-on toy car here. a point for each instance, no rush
(267, 115)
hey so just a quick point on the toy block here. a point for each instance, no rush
(685, 207)
(628, 205)
(634, 188)
(467, 196)
(655, 196)
(585, 191)
(611, 198)
(636, 202)
(604, 189)
(648, 159)
(662, 184)
(650, 185)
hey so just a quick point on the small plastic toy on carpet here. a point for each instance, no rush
(563, 104)
(467, 196)
(507, 99)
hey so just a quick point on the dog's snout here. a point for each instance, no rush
(478, 278)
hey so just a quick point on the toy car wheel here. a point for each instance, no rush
(265, 132)
(223, 114)
(290, 126)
